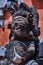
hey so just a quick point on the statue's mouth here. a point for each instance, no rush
(18, 27)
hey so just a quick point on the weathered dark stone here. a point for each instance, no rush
(24, 28)
(19, 50)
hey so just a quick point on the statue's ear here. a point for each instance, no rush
(9, 25)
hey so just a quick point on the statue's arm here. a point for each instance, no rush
(31, 49)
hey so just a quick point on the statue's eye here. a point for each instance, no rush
(30, 16)
(24, 16)
(19, 20)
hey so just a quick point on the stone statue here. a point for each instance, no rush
(22, 48)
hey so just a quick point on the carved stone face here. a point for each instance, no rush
(19, 26)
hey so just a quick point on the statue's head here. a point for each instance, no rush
(22, 24)
(21, 21)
